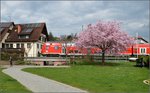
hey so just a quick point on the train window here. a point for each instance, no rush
(47, 47)
(64, 50)
(70, 51)
(135, 49)
(56, 47)
(89, 50)
(76, 51)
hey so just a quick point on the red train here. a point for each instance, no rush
(56, 48)
(140, 49)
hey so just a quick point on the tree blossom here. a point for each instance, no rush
(107, 36)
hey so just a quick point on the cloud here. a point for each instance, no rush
(135, 25)
(65, 17)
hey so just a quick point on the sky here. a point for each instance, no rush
(66, 17)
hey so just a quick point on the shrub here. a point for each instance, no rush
(145, 60)
(20, 62)
(4, 56)
(87, 60)
(15, 56)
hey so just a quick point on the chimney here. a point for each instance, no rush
(19, 29)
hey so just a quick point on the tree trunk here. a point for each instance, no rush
(132, 51)
(103, 57)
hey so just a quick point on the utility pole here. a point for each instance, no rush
(9, 19)
(137, 43)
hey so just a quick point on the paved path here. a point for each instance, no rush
(37, 83)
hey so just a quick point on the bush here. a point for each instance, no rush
(28, 63)
(20, 62)
(87, 60)
(145, 60)
(15, 56)
(4, 56)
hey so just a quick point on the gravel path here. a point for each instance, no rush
(37, 83)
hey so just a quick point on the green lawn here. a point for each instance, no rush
(114, 77)
(10, 85)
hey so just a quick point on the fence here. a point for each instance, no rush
(95, 58)
(98, 58)
(46, 59)
(110, 58)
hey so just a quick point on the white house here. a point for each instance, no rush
(27, 37)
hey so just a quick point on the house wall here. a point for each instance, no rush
(33, 51)
(3, 40)
(31, 48)
(0, 45)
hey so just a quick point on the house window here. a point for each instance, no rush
(18, 45)
(37, 46)
(43, 39)
(28, 45)
(27, 36)
(143, 50)
(11, 45)
(7, 45)
(3, 45)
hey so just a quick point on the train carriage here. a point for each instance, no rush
(140, 49)
(57, 48)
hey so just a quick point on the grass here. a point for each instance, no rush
(113, 77)
(10, 85)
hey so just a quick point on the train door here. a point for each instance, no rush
(63, 50)
(142, 50)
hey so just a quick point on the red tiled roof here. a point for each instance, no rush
(34, 31)
(4, 26)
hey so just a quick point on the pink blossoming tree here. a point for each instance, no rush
(107, 36)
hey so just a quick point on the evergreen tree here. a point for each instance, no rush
(51, 37)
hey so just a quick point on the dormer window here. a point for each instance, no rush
(27, 30)
(24, 37)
